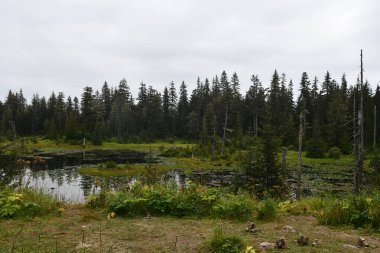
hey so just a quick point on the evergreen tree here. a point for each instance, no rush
(274, 109)
(166, 109)
(106, 100)
(183, 107)
(255, 106)
(87, 109)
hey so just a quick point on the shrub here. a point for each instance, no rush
(177, 152)
(25, 203)
(295, 208)
(315, 152)
(96, 200)
(356, 210)
(222, 243)
(334, 212)
(125, 204)
(335, 153)
(110, 165)
(267, 209)
(171, 200)
(240, 207)
(160, 202)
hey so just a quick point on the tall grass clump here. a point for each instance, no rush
(267, 209)
(220, 242)
(359, 211)
(25, 203)
(231, 206)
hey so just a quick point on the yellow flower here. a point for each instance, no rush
(61, 210)
(369, 200)
(249, 249)
(111, 215)
(15, 197)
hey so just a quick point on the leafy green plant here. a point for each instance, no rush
(240, 207)
(335, 153)
(125, 204)
(267, 209)
(356, 210)
(171, 200)
(25, 203)
(96, 200)
(110, 165)
(222, 243)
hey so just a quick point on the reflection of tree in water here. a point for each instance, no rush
(60, 176)
(52, 174)
(71, 175)
(8, 170)
(87, 184)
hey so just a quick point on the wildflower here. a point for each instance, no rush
(61, 210)
(14, 197)
(249, 249)
(111, 215)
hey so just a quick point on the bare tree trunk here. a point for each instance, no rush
(256, 124)
(13, 126)
(355, 141)
(359, 169)
(224, 129)
(283, 158)
(299, 162)
(374, 127)
(204, 129)
(214, 136)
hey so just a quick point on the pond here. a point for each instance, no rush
(57, 173)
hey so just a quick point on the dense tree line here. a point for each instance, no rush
(216, 113)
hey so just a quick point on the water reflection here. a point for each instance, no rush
(59, 176)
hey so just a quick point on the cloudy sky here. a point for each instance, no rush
(64, 45)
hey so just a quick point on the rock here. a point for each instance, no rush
(349, 246)
(267, 245)
(280, 243)
(362, 242)
(315, 243)
(303, 240)
(251, 228)
(289, 229)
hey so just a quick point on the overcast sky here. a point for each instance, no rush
(64, 45)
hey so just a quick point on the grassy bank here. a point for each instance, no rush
(85, 230)
(27, 203)
(29, 144)
(168, 219)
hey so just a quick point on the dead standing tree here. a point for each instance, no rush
(224, 129)
(374, 127)
(299, 162)
(358, 177)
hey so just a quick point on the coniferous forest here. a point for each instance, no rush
(254, 128)
(215, 114)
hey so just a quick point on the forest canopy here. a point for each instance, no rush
(215, 110)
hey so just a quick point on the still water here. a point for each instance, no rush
(58, 175)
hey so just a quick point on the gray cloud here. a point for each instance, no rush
(63, 45)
